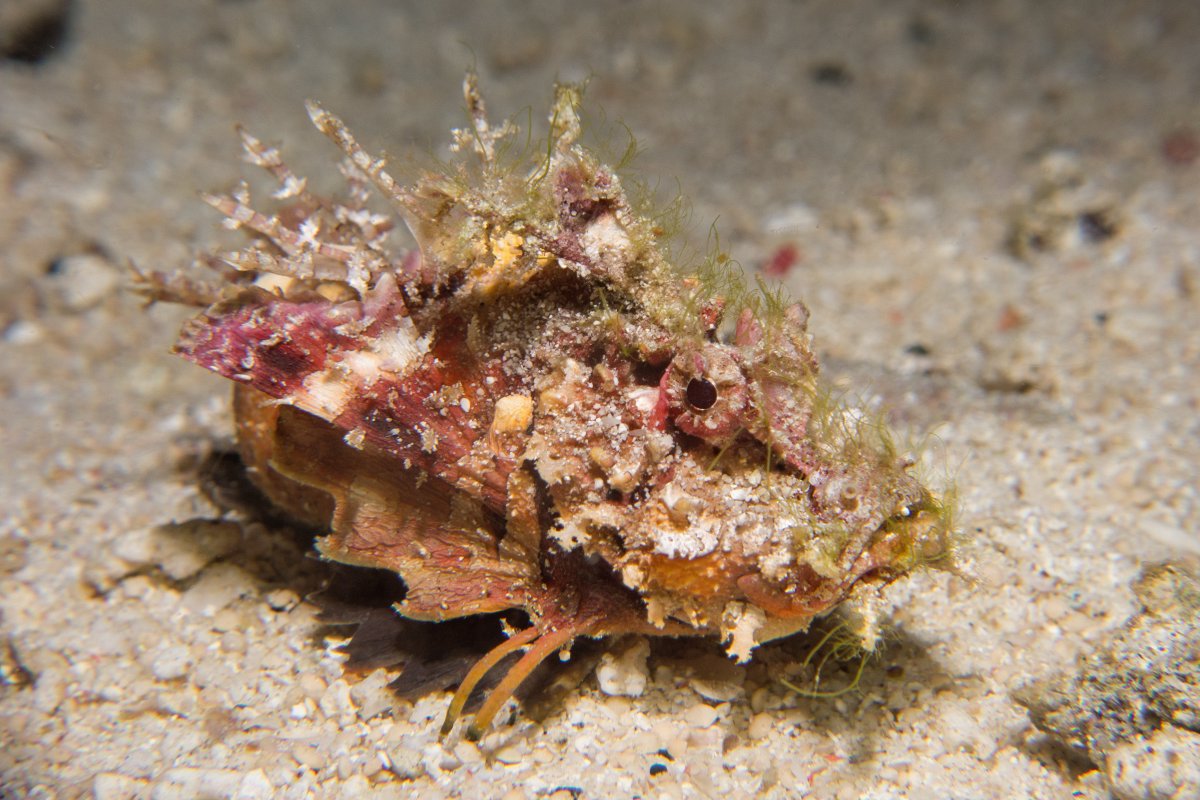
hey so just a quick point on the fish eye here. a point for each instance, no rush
(701, 394)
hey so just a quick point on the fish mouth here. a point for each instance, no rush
(919, 534)
(920, 537)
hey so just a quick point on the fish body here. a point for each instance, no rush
(535, 410)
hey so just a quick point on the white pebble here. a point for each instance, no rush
(171, 663)
(136, 546)
(356, 786)
(717, 691)
(182, 551)
(512, 754)
(189, 783)
(701, 715)
(115, 786)
(336, 701)
(468, 752)
(49, 691)
(84, 280)
(255, 785)
(371, 696)
(309, 755)
(407, 763)
(312, 685)
(958, 726)
(227, 620)
(219, 586)
(24, 331)
(624, 673)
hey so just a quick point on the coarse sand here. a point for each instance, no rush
(991, 209)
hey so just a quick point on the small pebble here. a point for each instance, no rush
(24, 331)
(227, 619)
(679, 746)
(115, 786)
(282, 599)
(717, 691)
(189, 783)
(181, 551)
(310, 755)
(336, 701)
(663, 733)
(1077, 622)
(701, 715)
(171, 663)
(624, 673)
(1054, 607)
(136, 546)
(512, 754)
(233, 642)
(406, 763)
(356, 786)
(217, 587)
(760, 726)
(313, 685)
(83, 281)
(49, 691)
(255, 785)
(468, 752)
(186, 549)
(371, 695)
(374, 765)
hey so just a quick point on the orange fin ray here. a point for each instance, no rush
(482, 667)
(541, 650)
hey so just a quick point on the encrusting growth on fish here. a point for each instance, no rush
(534, 410)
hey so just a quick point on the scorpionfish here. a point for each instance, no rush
(533, 409)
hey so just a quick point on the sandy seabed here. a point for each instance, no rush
(994, 207)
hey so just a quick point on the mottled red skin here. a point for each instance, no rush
(288, 342)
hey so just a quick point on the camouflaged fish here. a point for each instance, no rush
(534, 410)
